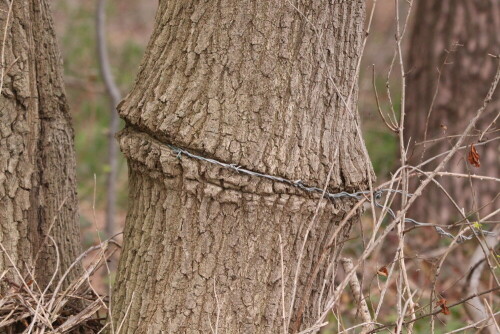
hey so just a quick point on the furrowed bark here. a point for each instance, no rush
(37, 159)
(246, 83)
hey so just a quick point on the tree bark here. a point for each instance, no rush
(245, 83)
(450, 73)
(37, 158)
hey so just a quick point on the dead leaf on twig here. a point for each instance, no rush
(383, 272)
(442, 303)
(473, 157)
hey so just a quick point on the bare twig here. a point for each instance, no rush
(23, 302)
(438, 310)
(285, 328)
(390, 124)
(475, 308)
(472, 325)
(4, 41)
(358, 296)
(301, 254)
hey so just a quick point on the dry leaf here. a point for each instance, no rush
(383, 272)
(473, 157)
(442, 303)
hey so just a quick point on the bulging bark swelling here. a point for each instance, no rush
(460, 34)
(37, 160)
(247, 83)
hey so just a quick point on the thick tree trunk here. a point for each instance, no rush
(461, 87)
(245, 83)
(37, 159)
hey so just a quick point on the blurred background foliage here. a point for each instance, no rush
(129, 25)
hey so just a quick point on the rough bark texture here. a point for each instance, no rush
(465, 80)
(243, 82)
(37, 160)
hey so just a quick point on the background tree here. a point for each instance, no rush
(258, 84)
(37, 160)
(449, 74)
(114, 98)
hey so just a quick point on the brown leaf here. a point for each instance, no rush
(442, 303)
(383, 272)
(473, 157)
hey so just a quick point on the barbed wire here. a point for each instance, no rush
(359, 195)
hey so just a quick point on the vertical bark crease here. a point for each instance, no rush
(37, 160)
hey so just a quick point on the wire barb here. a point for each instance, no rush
(359, 195)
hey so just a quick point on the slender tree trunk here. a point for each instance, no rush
(114, 98)
(245, 83)
(37, 160)
(450, 73)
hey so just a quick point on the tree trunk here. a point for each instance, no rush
(244, 83)
(37, 159)
(466, 71)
